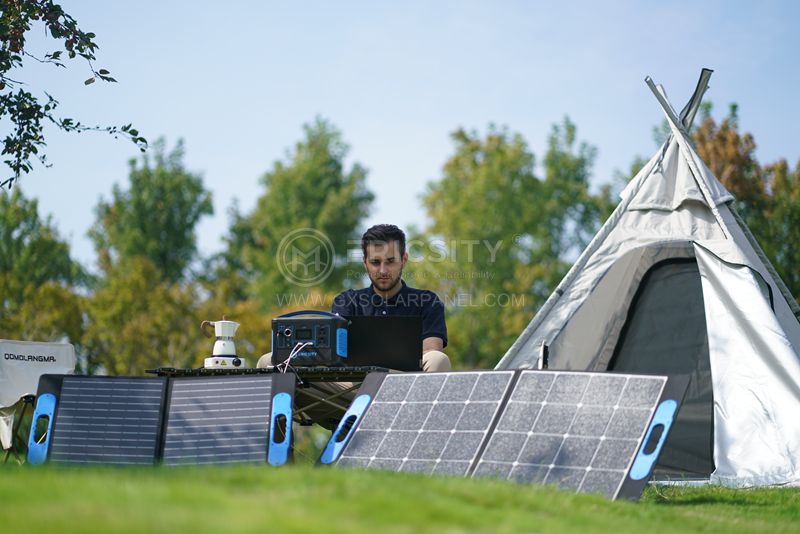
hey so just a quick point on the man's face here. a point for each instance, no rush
(385, 264)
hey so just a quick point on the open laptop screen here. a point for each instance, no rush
(394, 342)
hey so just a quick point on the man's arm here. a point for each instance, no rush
(432, 343)
(434, 328)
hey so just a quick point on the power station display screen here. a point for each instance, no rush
(303, 333)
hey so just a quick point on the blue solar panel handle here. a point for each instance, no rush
(45, 407)
(665, 415)
(335, 445)
(307, 312)
(281, 407)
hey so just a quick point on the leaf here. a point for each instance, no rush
(89, 81)
(103, 71)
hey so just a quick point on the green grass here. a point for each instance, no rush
(302, 498)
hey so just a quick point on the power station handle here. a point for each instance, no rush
(307, 312)
(281, 415)
(45, 407)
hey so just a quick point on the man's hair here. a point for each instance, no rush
(381, 234)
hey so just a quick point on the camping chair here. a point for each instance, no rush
(22, 363)
(18, 441)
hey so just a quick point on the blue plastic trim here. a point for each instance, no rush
(341, 342)
(665, 415)
(307, 312)
(279, 451)
(333, 449)
(45, 406)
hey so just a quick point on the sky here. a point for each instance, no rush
(237, 80)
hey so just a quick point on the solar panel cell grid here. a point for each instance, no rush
(579, 431)
(218, 420)
(108, 420)
(427, 423)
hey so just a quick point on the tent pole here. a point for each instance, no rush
(682, 138)
(690, 109)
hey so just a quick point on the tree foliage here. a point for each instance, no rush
(507, 236)
(731, 157)
(779, 232)
(24, 111)
(137, 321)
(38, 278)
(311, 191)
(145, 310)
(155, 217)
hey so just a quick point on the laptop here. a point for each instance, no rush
(389, 341)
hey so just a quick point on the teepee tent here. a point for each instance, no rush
(675, 283)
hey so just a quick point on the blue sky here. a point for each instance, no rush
(237, 80)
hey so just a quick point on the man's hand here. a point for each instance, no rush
(432, 343)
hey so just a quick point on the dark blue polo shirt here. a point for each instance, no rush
(408, 301)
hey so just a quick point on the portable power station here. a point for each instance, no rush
(310, 337)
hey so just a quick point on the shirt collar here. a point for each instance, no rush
(391, 301)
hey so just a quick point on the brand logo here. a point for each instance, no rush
(305, 257)
(28, 357)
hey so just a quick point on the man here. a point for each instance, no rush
(384, 248)
(385, 256)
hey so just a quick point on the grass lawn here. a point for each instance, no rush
(302, 498)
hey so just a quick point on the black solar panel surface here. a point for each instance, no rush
(218, 420)
(430, 423)
(580, 431)
(108, 420)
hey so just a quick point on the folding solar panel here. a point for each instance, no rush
(187, 420)
(588, 432)
(222, 419)
(430, 423)
(107, 420)
(582, 431)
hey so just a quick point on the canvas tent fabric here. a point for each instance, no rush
(674, 282)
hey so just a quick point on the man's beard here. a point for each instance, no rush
(394, 282)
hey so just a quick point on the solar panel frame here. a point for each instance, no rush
(57, 401)
(210, 409)
(87, 447)
(581, 433)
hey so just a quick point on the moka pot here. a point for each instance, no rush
(224, 352)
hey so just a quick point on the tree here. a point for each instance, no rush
(501, 238)
(26, 114)
(731, 157)
(298, 235)
(780, 230)
(155, 217)
(137, 321)
(38, 278)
